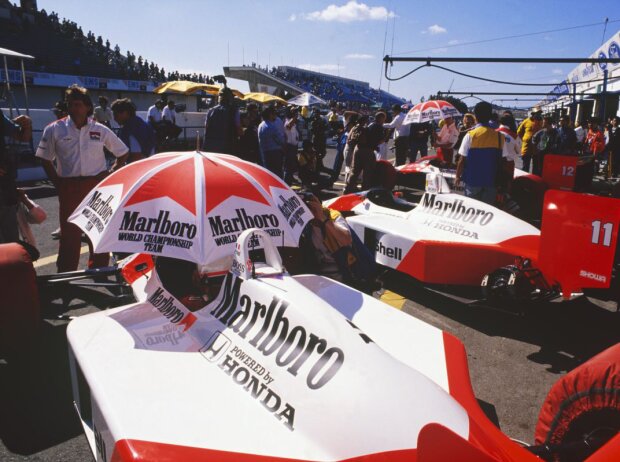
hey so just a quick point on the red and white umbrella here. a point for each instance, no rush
(430, 110)
(191, 206)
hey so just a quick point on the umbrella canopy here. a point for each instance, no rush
(306, 99)
(187, 88)
(190, 206)
(264, 98)
(430, 110)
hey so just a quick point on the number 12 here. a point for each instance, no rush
(568, 170)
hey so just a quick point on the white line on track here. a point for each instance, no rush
(52, 258)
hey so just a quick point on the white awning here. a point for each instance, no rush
(14, 54)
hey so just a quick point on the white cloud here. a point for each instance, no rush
(557, 72)
(359, 56)
(436, 29)
(349, 12)
(321, 67)
(454, 42)
(529, 67)
(440, 50)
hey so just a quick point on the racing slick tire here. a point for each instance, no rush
(384, 175)
(19, 302)
(582, 407)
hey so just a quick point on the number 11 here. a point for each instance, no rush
(607, 232)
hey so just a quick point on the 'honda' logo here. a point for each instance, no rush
(215, 347)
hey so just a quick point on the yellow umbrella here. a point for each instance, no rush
(264, 98)
(187, 88)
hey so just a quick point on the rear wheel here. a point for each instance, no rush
(507, 288)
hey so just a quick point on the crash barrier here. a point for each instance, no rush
(19, 303)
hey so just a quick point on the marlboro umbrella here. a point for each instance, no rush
(191, 206)
(430, 110)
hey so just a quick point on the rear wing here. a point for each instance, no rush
(567, 172)
(578, 240)
(560, 171)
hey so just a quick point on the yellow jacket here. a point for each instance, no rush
(526, 131)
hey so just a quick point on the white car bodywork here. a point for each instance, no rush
(301, 368)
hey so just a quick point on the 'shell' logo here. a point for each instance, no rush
(390, 252)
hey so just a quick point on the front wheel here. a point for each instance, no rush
(582, 410)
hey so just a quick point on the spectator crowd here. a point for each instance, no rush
(483, 147)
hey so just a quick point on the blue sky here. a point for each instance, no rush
(348, 37)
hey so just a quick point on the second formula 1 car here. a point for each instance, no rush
(455, 240)
(445, 238)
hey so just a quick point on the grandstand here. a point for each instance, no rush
(64, 54)
(288, 81)
(62, 47)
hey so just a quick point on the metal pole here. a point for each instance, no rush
(8, 84)
(393, 59)
(604, 96)
(25, 88)
(491, 93)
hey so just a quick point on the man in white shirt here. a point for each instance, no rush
(401, 134)
(512, 145)
(103, 113)
(169, 120)
(154, 113)
(153, 117)
(292, 143)
(446, 139)
(581, 131)
(76, 144)
(168, 114)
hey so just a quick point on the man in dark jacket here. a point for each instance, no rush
(613, 146)
(567, 139)
(318, 132)
(134, 132)
(20, 129)
(222, 125)
(364, 159)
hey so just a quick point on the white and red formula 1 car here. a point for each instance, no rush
(445, 238)
(280, 368)
(455, 240)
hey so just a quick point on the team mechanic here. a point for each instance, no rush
(76, 143)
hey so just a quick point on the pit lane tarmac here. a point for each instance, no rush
(513, 359)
